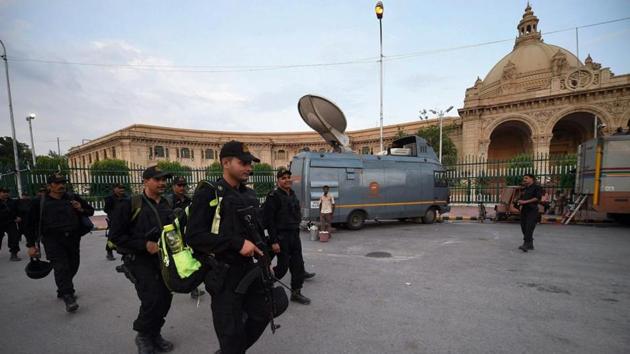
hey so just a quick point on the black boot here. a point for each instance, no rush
(71, 303)
(145, 344)
(308, 275)
(529, 246)
(196, 293)
(162, 345)
(120, 268)
(296, 295)
(110, 256)
(14, 257)
(523, 247)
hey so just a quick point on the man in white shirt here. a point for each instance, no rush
(326, 210)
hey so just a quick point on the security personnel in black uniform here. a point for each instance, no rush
(8, 223)
(215, 229)
(137, 237)
(61, 231)
(282, 217)
(179, 200)
(528, 202)
(117, 195)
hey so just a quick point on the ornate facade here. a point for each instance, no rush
(541, 99)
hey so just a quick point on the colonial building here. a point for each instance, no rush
(539, 98)
(145, 145)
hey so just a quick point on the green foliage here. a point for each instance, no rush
(517, 167)
(6, 154)
(105, 173)
(214, 171)
(400, 134)
(264, 179)
(565, 164)
(176, 168)
(432, 135)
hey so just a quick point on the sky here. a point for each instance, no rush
(87, 68)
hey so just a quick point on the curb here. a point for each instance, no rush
(575, 222)
(459, 218)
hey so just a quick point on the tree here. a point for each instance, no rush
(264, 179)
(6, 154)
(400, 134)
(214, 171)
(105, 173)
(432, 135)
(518, 166)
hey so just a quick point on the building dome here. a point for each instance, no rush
(530, 54)
(529, 58)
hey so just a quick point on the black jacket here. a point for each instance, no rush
(281, 212)
(227, 244)
(132, 236)
(533, 191)
(58, 216)
(110, 203)
(8, 211)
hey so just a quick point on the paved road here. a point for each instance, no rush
(448, 288)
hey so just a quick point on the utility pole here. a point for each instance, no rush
(16, 158)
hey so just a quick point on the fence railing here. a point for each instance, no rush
(94, 185)
(475, 180)
(471, 181)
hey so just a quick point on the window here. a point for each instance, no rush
(167, 153)
(365, 150)
(96, 158)
(322, 150)
(90, 159)
(105, 154)
(281, 155)
(83, 161)
(159, 151)
(185, 153)
(113, 152)
(209, 154)
(440, 178)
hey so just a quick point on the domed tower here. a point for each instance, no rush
(521, 104)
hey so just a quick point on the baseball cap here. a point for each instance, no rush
(180, 180)
(239, 150)
(56, 178)
(155, 172)
(283, 171)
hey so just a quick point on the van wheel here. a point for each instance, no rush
(429, 216)
(356, 220)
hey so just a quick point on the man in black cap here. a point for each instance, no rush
(117, 195)
(135, 234)
(57, 219)
(215, 229)
(8, 223)
(180, 200)
(282, 217)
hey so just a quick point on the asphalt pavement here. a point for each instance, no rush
(389, 288)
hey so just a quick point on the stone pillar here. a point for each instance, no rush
(541, 144)
(482, 151)
(471, 133)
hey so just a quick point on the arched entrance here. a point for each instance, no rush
(570, 131)
(509, 139)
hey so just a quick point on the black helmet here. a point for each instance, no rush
(38, 269)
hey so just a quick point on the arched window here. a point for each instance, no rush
(184, 153)
(209, 154)
(159, 151)
(529, 29)
(281, 155)
(365, 150)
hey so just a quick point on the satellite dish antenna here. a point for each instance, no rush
(326, 119)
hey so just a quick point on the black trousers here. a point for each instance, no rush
(63, 252)
(155, 298)
(239, 320)
(529, 218)
(14, 237)
(290, 258)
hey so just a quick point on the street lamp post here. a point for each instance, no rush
(29, 119)
(16, 158)
(441, 115)
(379, 9)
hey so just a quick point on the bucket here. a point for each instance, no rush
(324, 236)
(313, 230)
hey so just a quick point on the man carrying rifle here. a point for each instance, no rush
(221, 233)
